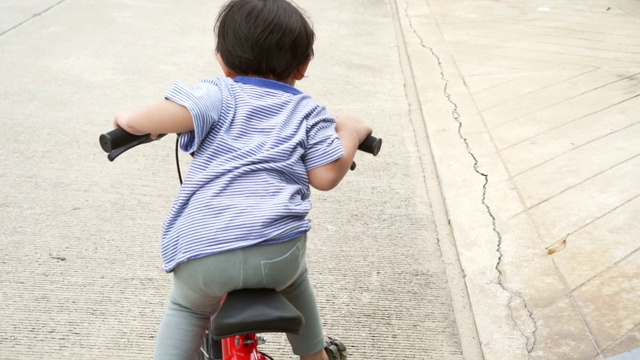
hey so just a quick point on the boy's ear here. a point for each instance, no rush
(302, 69)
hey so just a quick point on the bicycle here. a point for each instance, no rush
(245, 313)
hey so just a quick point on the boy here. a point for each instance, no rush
(259, 143)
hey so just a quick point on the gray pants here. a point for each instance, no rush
(200, 284)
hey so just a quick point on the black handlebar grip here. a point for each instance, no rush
(118, 138)
(371, 145)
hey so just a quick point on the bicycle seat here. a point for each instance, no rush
(249, 311)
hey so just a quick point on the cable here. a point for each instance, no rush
(178, 159)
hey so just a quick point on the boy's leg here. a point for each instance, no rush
(309, 344)
(191, 305)
(181, 332)
(193, 299)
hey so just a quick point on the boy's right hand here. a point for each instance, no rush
(355, 125)
(352, 132)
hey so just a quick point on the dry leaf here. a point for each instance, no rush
(557, 246)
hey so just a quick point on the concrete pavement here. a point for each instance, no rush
(508, 126)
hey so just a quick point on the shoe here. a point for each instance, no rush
(335, 349)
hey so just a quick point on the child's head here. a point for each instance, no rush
(265, 38)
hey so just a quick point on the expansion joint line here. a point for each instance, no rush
(32, 16)
(516, 300)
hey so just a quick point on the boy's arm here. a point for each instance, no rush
(352, 131)
(160, 118)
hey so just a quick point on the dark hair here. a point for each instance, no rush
(266, 38)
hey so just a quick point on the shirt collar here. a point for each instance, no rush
(267, 83)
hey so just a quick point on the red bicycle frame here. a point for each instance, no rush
(242, 347)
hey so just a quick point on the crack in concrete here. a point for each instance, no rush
(32, 17)
(526, 325)
(455, 275)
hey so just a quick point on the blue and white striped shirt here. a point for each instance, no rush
(254, 141)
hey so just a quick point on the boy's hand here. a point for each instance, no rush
(352, 132)
(353, 124)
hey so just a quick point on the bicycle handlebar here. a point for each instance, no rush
(117, 141)
(371, 145)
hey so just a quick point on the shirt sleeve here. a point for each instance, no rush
(323, 143)
(204, 102)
